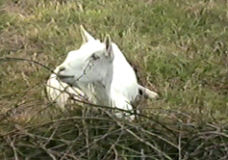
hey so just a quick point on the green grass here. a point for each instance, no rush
(179, 46)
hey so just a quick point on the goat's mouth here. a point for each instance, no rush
(64, 76)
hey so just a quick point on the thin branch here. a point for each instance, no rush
(11, 143)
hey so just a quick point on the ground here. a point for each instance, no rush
(179, 48)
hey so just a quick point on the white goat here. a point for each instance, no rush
(98, 71)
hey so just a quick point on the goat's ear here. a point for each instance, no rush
(108, 46)
(85, 35)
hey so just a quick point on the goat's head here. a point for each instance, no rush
(90, 63)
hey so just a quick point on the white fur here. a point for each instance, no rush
(109, 80)
(61, 92)
(118, 83)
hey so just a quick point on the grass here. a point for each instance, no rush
(178, 46)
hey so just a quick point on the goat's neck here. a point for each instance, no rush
(106, 82)
(98, 92)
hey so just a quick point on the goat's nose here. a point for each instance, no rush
(61, 69)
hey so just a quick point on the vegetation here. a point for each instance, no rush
(179, 48)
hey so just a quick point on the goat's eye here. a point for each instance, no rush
(95, 57)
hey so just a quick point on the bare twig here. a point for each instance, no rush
(11, 143)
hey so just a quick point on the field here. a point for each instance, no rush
(180, 50)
